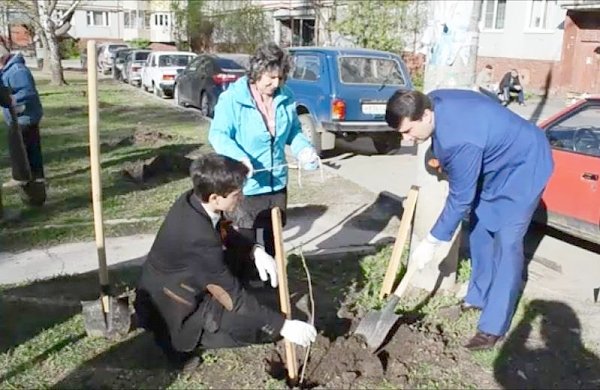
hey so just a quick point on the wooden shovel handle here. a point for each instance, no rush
(92, 76)
(284, 293)
(400, 243)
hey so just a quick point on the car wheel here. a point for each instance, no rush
(309, 129)
(386, 143)
(205, 105)
(176, 96)
(157, 91)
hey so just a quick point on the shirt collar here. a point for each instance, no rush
(214, 217)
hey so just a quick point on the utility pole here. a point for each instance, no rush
(451, 63)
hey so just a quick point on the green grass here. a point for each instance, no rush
(67, 215)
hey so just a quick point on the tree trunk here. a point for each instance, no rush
(52, 47)
(450, 66)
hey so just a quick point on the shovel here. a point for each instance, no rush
(109, 317)
(375, 326)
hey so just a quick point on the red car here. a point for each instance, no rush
(571, 201)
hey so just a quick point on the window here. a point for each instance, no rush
(97, 18)
(494, 13)
(146, 19)
(306, 68)
(369, 70)
(130, 20)
(579, 132)
(538, 15)
(174, 60)
(161, 20)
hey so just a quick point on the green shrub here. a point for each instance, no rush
(68, 48)
(139, 43)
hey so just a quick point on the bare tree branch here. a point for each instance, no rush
(52, 6)
(68, 15)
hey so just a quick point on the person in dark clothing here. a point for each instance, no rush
(26, 101)
(511, 83)
(190, 294)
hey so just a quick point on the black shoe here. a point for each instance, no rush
(482, 341)
(186, 362)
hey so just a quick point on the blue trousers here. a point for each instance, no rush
(497, 261)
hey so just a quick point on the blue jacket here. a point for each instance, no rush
(497, 162)
(16, 76)
(239, 131)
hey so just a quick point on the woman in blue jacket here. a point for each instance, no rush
(254, 119)
(497, 165)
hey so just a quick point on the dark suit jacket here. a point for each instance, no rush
(505, 82)
(189, 281)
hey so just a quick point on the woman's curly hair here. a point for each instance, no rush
(268, 57)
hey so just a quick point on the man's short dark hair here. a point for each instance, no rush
(406, 104)
(268, 57)
(488, 66)
(213, 173)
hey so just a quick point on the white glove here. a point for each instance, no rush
(298, 332)
(265, 265)
(425, 251)
(248, 164)
(309, 159)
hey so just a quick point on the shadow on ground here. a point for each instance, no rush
(556, 359)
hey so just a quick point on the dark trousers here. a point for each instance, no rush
(234, 330)
(507, 91)
(253, 217)
(33, 147)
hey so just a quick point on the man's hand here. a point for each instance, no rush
(425, 251)
(265, 265)
(298, 332)
(309, 159)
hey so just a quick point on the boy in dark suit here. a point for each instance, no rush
(191, 292)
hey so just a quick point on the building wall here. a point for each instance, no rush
(517, 40)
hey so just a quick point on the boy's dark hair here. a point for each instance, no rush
(488, 66)
(406, 104)
(213, 173)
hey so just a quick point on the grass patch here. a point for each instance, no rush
(67, 215)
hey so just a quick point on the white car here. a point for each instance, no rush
(161, 69)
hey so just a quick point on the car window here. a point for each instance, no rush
(370, 70)
(141, 56)
(578, 132)
(306, 67)
(174, 60)
(229, 64)
(113, 48)
(193, 65)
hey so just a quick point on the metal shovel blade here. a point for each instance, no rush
(375, 326)
(113, 324)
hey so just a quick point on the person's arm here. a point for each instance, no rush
(504, 82)
(222, 130)
(212, 273)
(296, 139)
(22, 85)
(463, 170)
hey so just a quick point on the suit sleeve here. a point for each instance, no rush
(213, 274)
(463, 168)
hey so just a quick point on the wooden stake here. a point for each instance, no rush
(400, 243)
(284, 293)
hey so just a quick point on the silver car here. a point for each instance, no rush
(133, 66)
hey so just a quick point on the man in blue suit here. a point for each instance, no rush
(497, 165)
